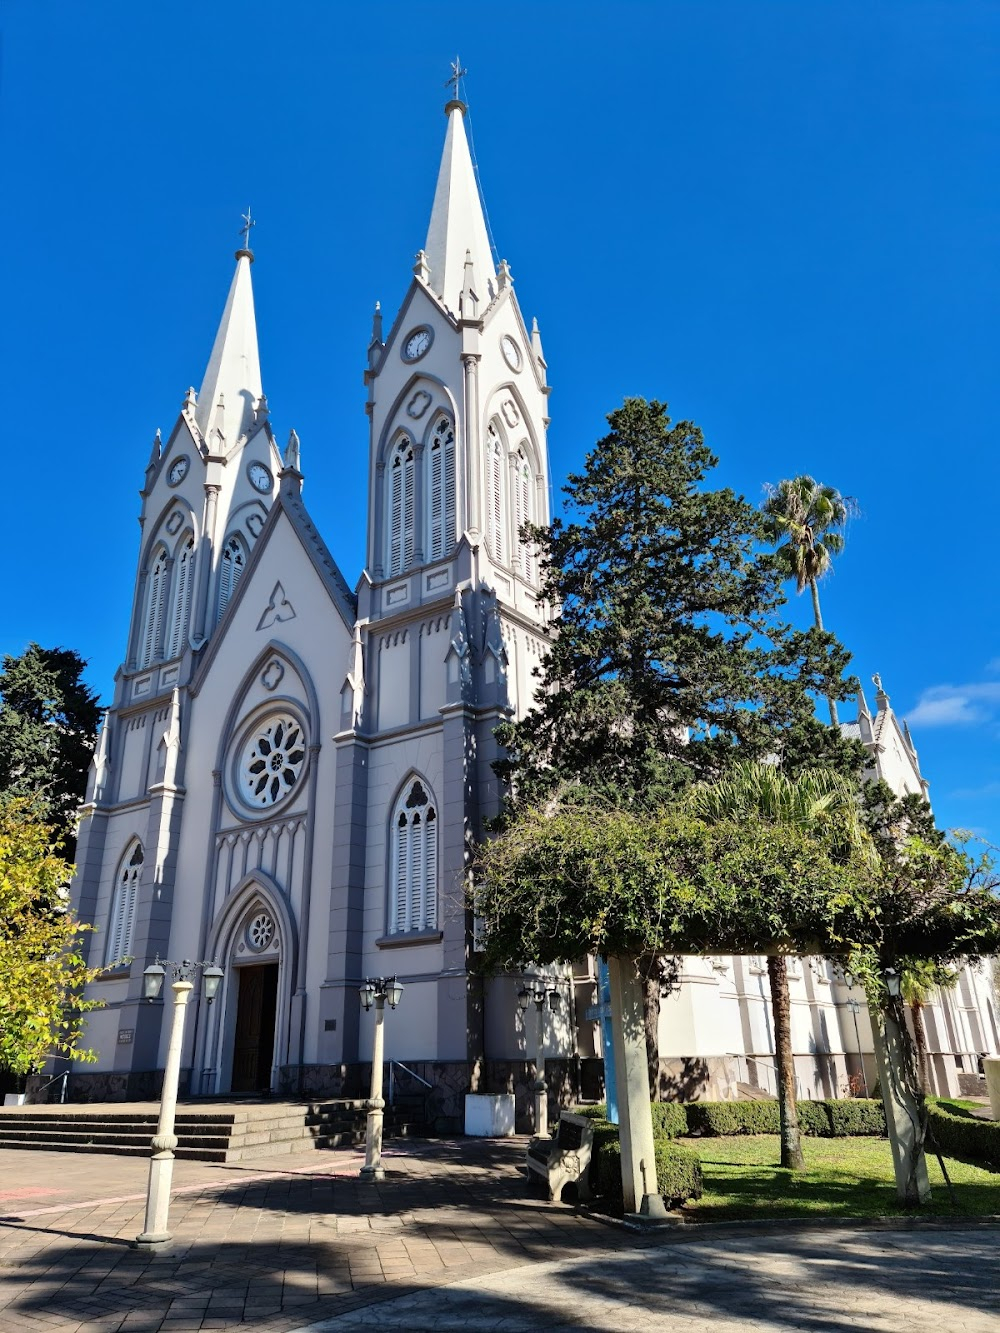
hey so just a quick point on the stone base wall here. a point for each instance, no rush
(141, 1086)
(697, 1078)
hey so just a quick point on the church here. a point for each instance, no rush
(294, 768)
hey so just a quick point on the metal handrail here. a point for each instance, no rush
(737, 1056)
(398, 1064)
(64, 1076)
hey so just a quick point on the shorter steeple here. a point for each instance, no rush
(458, 225)
(233, 373)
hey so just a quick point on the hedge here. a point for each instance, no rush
(678, 1170)
(960, 1134)
(824, 1119)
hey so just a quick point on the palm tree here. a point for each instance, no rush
(918, 981)
(804, 520)
(764, 793)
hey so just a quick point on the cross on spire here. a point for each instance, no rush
(457, 74)
(248, 222)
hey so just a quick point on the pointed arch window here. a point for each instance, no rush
(180, 606)
(442, 489)
(234, 561)
(522, 512)
(154, 608)
(495, 491)
(401, 502)
(414, 870)
(123, 906)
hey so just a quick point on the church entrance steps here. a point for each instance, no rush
(748, 1092)
(206, 1132)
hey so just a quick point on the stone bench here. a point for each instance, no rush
(564, 1159)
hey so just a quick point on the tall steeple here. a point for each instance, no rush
(233, 374)
(457, 231)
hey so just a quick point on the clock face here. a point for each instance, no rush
(178, 471)
(260, 478)
(511, 352)
(417, 344)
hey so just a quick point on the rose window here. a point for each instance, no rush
(260, 931)
(272, 761)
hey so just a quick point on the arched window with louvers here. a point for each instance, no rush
(413, 890)
(232, 565)
(180, 598)
(154, 608)
(496, 493)
(441, 489)
(400, 500)
(123, 906)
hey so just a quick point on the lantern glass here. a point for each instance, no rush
(393, 992)
(893, 982)
(367, 993)
(524, 998)
(213, 980)
(152, 981)
(554, 998)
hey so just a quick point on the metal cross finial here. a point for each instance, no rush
(248, 222)
(457, 74)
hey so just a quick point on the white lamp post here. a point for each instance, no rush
(154, 1234)
(377, 991)
(537, 995)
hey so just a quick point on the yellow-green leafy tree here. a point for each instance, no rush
(42, 972)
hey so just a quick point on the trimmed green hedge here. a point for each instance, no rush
(825, 1119)
(678, 1170)
(960, 1134)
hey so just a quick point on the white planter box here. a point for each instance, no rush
(14, 1098)
(991, 1068)
(489, 1117)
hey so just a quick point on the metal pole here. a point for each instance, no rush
(372, 1169)
(541, 1098)
(154, 1234)
(857, 1037)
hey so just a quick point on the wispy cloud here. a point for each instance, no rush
(956, 705)
(987, 792)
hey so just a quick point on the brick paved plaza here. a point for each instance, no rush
(450, 1240)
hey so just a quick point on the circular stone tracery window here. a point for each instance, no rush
(260, 931)
(272, 761)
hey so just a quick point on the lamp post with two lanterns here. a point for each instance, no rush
(537, 995)
(376, 991)
(154, 1234)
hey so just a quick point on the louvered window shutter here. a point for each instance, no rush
(437, 501)
(234, 558)
(449, 490)
(183, 570)
(408, 516)
(155, 591)
(496, 503)
(402, 872)
(416, 912)
(123, 908)
(430, 875)
(396, 517)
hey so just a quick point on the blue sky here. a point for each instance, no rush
(782, 218)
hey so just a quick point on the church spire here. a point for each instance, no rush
(233, 373)
(458, 226)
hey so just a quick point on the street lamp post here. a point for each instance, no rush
(154, 1235)
(376, 991)
(537, 995)
(855, 1008)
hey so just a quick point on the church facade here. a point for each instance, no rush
(293, 769)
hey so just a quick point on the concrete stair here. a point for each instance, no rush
(210, 1132)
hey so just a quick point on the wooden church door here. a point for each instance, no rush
(253, 1047)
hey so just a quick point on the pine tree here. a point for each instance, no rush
(48, 726)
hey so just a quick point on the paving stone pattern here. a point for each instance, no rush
(449, 1240)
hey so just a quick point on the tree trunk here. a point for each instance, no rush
(920, 1044)
(781, 1009)
(649, 970)
(831, 701)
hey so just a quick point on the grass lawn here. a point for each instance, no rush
(850, 1177)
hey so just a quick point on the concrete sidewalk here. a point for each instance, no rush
(450, 1240)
